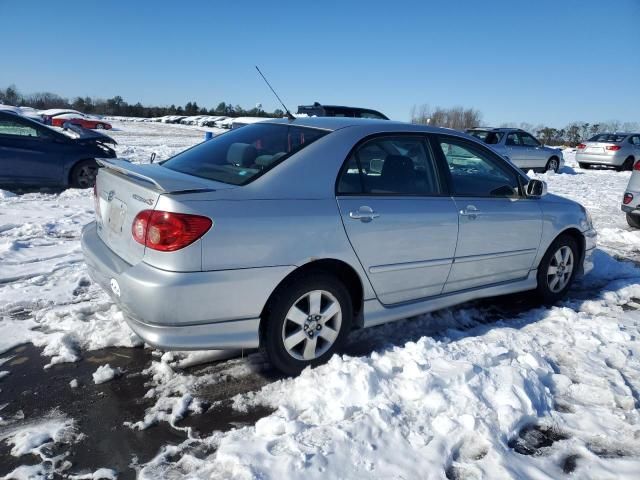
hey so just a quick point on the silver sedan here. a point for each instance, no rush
(287, 235)
(618, 150)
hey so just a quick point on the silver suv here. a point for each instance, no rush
(521, 148)
(289, 234)
(618, 150)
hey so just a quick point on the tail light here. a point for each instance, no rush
(582, 146)
(168, 231)
(636, 166)
(627, 198)
(613, 148)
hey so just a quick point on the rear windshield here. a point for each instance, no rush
(489, 137)
(239, 156)
(607, 137)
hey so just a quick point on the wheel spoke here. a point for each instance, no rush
(330, 312)
(558, 257)
(329, 334)
(552, 270)
(296, 316)
(567, 255)
(310, 348)
(315, 299)
(554, 282)
(294, 339)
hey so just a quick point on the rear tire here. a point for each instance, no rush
(627, 166)
(306, 321)
(83, 174)
(100, 126)
(557, 269)
(633, 220)
(584, 166)
(553, 164)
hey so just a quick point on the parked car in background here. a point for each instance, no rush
(28, 112)
(618, 150)
(289, 234)
(521, 148)
(34, 155)
(631, 198)
(318, 110)
(80, 119)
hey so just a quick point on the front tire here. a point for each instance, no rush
(633, 220)
(100, 126)
(557, 269)
(553, 164)
(306, 321)
(83, 174)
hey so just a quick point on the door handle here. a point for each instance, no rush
(364, 214)
(470, 211)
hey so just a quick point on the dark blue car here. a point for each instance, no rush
(33, 155)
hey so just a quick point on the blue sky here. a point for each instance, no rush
(541, 62)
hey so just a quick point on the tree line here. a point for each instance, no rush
(460, 118)
(118, 106)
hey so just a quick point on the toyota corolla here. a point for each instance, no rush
(286, 235)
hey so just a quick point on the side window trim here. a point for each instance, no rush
(441, 181)
(502, 165)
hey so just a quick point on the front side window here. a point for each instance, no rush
(475, 173)
(239, 156)
(12, 127)
(395, 165)
(528, 140)
(513, 139)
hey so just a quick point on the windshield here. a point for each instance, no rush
(239, 156)
(608, 138)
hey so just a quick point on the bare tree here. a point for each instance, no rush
(458, 118)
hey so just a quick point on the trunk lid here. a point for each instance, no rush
(599, 148)
(125, 189)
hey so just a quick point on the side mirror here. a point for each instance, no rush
(536, 188)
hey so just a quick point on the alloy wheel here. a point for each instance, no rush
(553, 165)
(312, 325)
(86, 176)
(560, 269)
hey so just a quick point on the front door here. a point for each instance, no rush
(500, 230)
(401, 227)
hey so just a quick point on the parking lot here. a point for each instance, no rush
(502, 385)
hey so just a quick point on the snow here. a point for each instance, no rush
(74, 383)
(460, 392)
(105, 373)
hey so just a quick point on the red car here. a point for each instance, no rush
(79, 119)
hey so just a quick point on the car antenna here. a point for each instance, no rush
(289, 116)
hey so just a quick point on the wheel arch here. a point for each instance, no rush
(338, 268)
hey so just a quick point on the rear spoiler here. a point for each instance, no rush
(159, 178)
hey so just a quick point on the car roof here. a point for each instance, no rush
(336, 123)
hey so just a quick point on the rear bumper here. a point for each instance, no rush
(615, 160)
(183, 310)
(634, 205)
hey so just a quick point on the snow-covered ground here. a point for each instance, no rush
(461, 393)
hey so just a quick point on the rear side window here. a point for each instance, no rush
(394, 165)
(607, 138)
(239, 156)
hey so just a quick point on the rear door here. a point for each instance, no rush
(28, 154)
(499, 230)
(399, 220)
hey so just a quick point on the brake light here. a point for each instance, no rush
(582, 146)
(613, 148)
(168, 231)
(637, 165)
(627, 198)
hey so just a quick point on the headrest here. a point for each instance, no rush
(242, 154)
